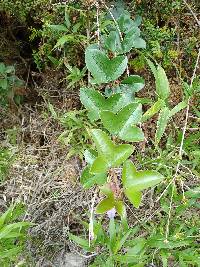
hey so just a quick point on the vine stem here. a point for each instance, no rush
(91, 223)
(98, 24)
(88, 36)
(113, 18)
(181, 149)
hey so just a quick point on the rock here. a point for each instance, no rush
(65, 259)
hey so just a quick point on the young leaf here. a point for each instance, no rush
(107, 191)
(105, 205)
(120, 208)
(100, 165)
(94, 102)
(103, 69)
(121, 124)
(113, 42)
(110, 155)
(162, 123)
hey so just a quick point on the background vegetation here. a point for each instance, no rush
(45, 129)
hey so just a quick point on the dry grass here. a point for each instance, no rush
(46, 182)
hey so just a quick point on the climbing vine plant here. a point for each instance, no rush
(120, 114)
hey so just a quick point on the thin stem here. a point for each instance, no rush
(181, 148)
(113, 18)
(91, 224)
(98, 24)
(192, 12)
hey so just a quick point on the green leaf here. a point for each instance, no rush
(162, 124)
(5, 231)
(152, 67)
(135, 181)
(109, 154)
(153, 110)
(137, 248)
(59, 27)
(95, 102)
(4, 84)
(125, 22)
(178, 108)
(88, 179)
(62, 40)
(139, 180)
(121, 124)
(134, 82)
(69, 38)
(10, 69)
(119, 244)
(80, 241)
(107, 191)
(160, 242)
(113, 42)
(10, 253)
(112, 234)
(128, 87)
(6, 216)
(132, 39)
(2, 68)
(120, 208)
(90, 156)
(139, 43)
(105, 205)
(162, 83)
(102, 68)
(134, 197)
(100, 165)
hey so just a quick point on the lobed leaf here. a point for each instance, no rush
(122, 123)
(95, 102)
(102, 68)
(109, 154)
(135, 181)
